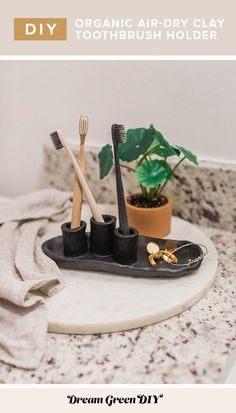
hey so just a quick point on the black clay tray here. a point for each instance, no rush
(88, 262)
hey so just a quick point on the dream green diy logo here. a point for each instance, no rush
(40, 29)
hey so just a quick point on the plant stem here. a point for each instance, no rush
(146, 154)
(127, 167)
(141, 160)
(176, 166)
(152, 193)
(160, 189)
(157, 189)
(144, 191)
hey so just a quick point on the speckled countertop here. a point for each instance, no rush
(196, 346)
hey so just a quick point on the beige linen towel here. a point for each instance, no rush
(24, 269)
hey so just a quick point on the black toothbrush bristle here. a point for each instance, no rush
(118, 133)
(56, 140)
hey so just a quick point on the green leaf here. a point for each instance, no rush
(161, 140)
(153, 173)
(177, 151)
(189, 155)
(165, 152)
(168, 169)
(153, 147)
(137, 142)
(105, 160)
(161, 147)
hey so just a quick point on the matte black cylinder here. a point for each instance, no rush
(125, 246)
(101, 235)
(74, 240)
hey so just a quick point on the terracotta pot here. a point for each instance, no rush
(151, 222)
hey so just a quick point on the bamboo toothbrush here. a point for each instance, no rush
(78, 192)
(60, 142)
(118, 136)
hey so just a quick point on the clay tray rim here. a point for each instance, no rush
(89, 262)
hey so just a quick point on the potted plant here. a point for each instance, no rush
(150, 210)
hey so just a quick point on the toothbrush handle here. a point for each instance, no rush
(120, 195)
(77, 193)
(88, 194)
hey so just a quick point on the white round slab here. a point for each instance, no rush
(101, 303)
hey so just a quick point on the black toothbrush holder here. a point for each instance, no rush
(102, 235)
(125, 247)
(74, 240)
(125, 244)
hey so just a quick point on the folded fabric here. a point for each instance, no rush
(26, 273)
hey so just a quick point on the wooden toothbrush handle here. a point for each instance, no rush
(77, 194)
(83, 183)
